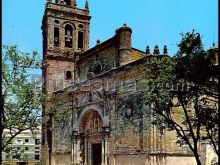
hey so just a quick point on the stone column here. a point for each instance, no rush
(90, 153)
(74, 136)
(155, 160)
(62, 37)
(106, 151)
(72, 151)
(75, 148)
(103, 151)
(163, 160)
(77, 160)
(85, 151)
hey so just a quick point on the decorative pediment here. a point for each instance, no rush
(89, 97)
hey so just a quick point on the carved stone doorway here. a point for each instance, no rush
(90, 127)
(96, 154)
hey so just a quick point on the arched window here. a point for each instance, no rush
(80, 40)
(97, 68)
(67, 2)
(80, 26)
(56, 36)
(68, 75)
(68, 36)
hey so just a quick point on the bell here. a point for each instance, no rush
(67, 39)
(56, 39)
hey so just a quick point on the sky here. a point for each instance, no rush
(153, 22)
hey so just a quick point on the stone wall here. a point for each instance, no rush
(104, 83)
(131, 134)
(56, 75)
(62, 159)
(148, 159)
(105, 58)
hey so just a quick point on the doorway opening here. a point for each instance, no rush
(96, 154)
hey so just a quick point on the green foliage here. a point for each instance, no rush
(198, 68)
(21, 100)
(130, 113)
(59, 116)
(134, 102)
(160, 77)
(194, 64)
(185, 81)
(190, 43)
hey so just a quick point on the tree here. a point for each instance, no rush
(21, 100)
(185, 84)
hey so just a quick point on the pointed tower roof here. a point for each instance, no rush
(87, 5)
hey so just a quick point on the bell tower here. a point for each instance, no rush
(65, 27)
(65, 30)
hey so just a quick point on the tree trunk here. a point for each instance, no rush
(198, 161)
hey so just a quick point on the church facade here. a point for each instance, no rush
(93, 114)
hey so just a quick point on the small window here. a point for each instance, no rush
(26, 140)
(68, 75)
(97, 69)
(26, 148)
(80, 26)
(56, 21)
(37, 148)
(67, 2)
(37, 141)
(37, 157)
(80, 40)
(56, 36)
(19, 141)
(68, 36)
